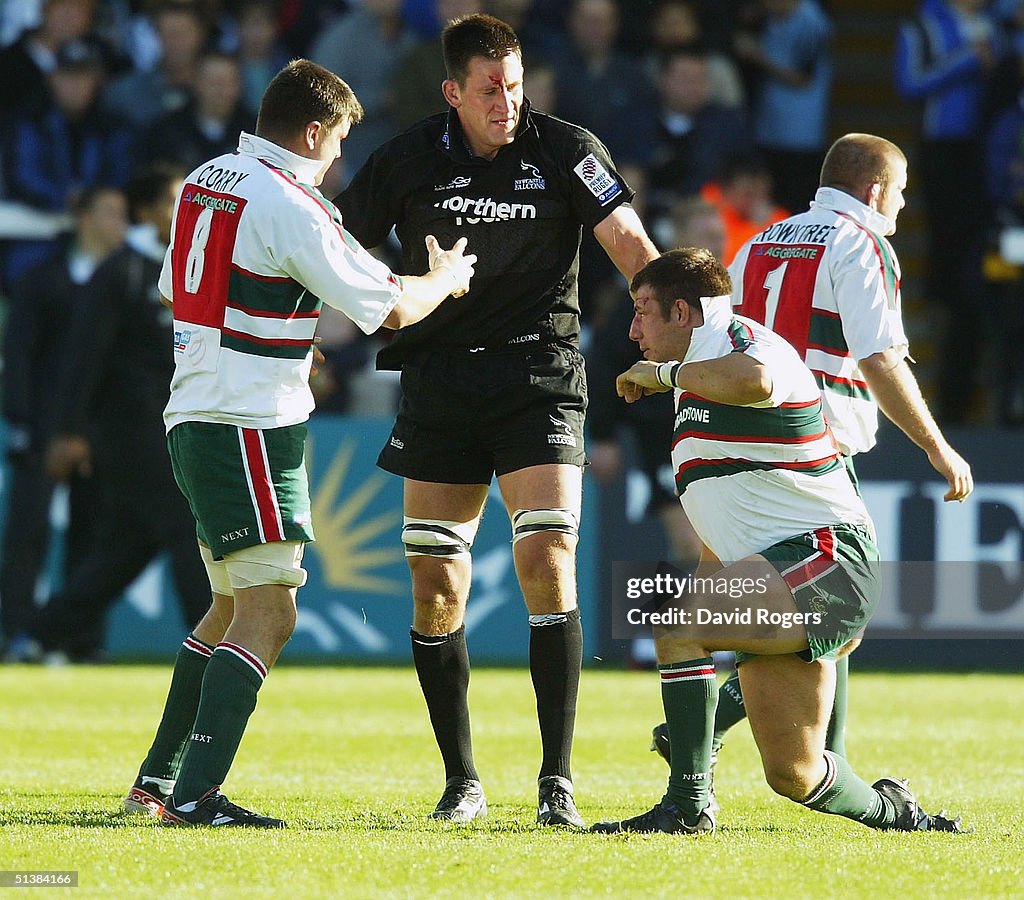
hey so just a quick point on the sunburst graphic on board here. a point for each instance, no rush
(346, 528)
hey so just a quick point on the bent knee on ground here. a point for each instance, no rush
(794, 780)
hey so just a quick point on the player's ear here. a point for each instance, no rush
(688, 316)
(874, 194)
(450, 89)
(311, 134)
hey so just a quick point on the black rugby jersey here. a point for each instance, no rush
(523, 213)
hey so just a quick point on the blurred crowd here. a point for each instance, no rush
(716, 111)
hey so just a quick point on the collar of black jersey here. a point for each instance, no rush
(453, 142)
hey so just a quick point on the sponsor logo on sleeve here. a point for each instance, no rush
(597, 179)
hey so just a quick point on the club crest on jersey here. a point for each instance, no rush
(597, 179)
(534, 183)
(459, 181)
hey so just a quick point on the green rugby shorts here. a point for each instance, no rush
(835, 573)
(246, 486)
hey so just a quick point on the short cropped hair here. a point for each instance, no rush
(304, 92)
(688, 273)
(856, 161)
(468, 37)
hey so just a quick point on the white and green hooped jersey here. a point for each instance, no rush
(751, 476)
(255, 251)
(829, 283)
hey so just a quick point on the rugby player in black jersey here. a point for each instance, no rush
(494, 385)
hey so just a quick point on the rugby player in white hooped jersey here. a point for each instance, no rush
(761, 480)
(256, 250)
(828, 281)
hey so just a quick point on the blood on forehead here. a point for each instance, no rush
(500, 81)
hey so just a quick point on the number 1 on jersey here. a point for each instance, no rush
(773, 284)
(778, 288)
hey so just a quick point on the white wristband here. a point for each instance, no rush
(664, 373)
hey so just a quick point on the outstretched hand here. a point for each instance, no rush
(640, 380)
(455, 261)
(955, 469)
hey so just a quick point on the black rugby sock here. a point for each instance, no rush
(556, 654)
(442, 664)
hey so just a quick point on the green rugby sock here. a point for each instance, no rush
(729, 711)
(835, 737)
(689, 695)
(843, 793)
(233, 677)
(179, 713)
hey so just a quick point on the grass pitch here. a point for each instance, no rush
(346, 756)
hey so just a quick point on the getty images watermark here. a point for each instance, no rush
(687, 600)
(908, 600)
(666, 599)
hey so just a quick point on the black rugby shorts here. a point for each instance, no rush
(465, 416)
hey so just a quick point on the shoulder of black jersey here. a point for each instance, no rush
(417, 139)
(553, 129)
